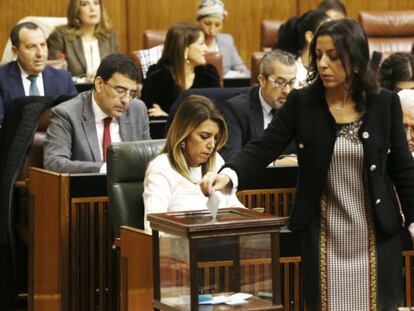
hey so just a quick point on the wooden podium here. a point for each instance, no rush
(71, 260)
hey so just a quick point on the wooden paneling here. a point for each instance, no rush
(243, 20)
(353, 6)
(11, 11)
(131, 17)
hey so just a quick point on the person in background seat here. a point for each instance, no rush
(182, 66)
(210, 17)
(248, 114)
(29, 74)
(85, 40)
(81, 129)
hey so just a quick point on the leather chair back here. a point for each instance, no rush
(153, 38)
(255, 61)
(388, 32)
(269, 34)
(19, 126)
(126, 166)
(217, 95)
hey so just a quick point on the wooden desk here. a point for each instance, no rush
(70, 252)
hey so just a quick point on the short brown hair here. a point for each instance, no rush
(193, 111)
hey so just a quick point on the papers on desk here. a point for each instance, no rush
(232, 300)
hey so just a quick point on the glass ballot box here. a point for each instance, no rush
(227, 263)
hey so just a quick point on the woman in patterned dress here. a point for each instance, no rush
(353, 161)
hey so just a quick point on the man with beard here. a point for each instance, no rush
(249, 113)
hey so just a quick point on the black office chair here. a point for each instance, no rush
(18, 128)
(217, 95)
(127, 163)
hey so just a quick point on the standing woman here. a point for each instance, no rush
(353, 161)
(210, 17)
(85, 40)
(182, 66)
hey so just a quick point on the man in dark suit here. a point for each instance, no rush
(29, 74)
(249, 113)
(81, 128)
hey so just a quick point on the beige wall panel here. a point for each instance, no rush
(243, 20)
(132, 17)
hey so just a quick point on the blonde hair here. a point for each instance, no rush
(103, 28)
(179, 37)
(193, 111)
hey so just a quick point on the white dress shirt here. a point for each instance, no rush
(92, 55)
(27, 82)
(266, 109)
(99, 122)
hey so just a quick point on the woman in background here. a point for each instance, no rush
(335, 9)
(397, 72)
(181, 66)
(85, 40)
(295, 37)
(171, 180)
(210, 17)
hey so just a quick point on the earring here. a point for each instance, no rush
(182, 145)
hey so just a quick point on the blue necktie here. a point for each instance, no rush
(33, 91)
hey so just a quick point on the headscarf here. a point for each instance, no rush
(211, 8)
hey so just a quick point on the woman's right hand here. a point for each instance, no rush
(212, 181)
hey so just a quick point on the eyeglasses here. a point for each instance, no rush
(121, 91)
(281, 84)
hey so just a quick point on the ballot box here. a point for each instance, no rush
(227, 263)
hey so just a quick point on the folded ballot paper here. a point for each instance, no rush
(213, 204)
(233, 300)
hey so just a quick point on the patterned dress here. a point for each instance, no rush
(347, 236)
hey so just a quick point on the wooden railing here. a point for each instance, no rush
(278, 202)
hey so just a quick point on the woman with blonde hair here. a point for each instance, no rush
(85, 40)
(171, 180)
(182, 66)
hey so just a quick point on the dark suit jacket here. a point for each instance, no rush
(60, 41)
(244, 117)
(55, 82)
(306, 117)
(159, 87)
(71, 144)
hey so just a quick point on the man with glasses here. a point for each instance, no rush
(81, 129)
(249, 113)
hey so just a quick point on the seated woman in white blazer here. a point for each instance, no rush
(171, 180)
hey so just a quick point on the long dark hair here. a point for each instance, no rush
(292, 33)
(351, 43)
(178, 38)
(396, 68)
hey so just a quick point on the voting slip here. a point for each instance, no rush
(213, 204)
